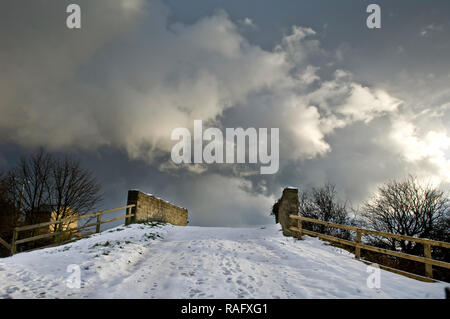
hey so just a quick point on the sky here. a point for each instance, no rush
(355, 106)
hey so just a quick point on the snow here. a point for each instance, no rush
(165, 261)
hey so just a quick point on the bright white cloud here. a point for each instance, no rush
(423, 146)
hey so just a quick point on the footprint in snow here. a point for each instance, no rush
(10, 290)
(200, 282)
(194, 292)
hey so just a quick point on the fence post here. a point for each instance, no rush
(358, 241)
(128, 219)
(99, 221)
(427, 254)
(299, 226)
(58, 231)
(13, 243)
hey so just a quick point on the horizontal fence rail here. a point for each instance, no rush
(97, 224)
(427, 260)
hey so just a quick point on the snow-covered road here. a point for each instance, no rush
(148, 261)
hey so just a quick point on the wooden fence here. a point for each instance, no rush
(98, 215)
(5, 244)
(427, 243)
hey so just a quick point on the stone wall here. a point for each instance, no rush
(151, 208)
(288, 206)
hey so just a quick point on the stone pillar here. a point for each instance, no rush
(132, 200)
(288, 206)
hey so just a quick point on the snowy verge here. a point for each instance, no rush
(164, 261)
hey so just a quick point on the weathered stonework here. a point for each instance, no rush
(151, 208)
(288, 206)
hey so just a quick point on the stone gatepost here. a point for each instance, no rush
(288, 206)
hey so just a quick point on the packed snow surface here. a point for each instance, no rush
(165, 261)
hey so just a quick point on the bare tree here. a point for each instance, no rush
(73, 189)
(8, 212)
(44, 182)
(30, 184)
(407, 208)
(322, 203)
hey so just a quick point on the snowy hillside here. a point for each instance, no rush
(145, 261)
